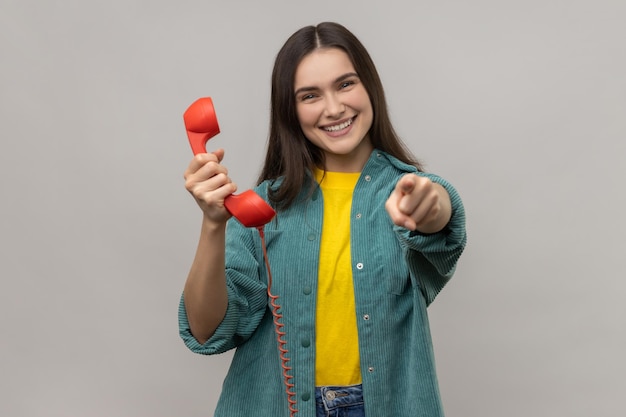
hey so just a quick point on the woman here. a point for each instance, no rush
(362, 242)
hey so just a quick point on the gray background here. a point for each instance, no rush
(520, 104)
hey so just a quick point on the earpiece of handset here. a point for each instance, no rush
(201, 124)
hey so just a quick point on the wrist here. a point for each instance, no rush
(211, 226)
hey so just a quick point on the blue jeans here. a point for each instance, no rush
(340, 401)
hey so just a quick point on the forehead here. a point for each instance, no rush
(322, 66)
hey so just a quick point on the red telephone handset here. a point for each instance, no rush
(201, 124)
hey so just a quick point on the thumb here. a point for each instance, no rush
(219, 153)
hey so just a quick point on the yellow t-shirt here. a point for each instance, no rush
(336, 339)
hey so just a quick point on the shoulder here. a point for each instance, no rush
(384, 160)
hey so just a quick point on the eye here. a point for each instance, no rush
(306, 97)
(348, 84)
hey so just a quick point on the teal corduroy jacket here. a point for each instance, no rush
(397, 274)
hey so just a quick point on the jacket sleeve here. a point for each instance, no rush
(432, 258)
(247, 295)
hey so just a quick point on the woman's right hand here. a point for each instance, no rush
(208, 182)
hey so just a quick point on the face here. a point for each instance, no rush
(334, 109)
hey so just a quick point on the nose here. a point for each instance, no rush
(334, 106)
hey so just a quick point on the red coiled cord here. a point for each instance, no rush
(280, 333)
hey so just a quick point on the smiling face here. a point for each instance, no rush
(334, 109)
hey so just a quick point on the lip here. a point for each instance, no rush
(338, 122)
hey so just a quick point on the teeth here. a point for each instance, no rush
(338, 127)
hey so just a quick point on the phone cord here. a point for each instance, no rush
(280, 333)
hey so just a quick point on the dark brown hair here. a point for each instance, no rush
(289, 153)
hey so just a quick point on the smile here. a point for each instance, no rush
(339, 127)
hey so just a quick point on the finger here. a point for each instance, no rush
(216, 193)
(213, 190)
(205, 165)
(422, 189)
(208, 178)
(406, 184)
(210, 169)
(201, 159)
(395, 214)
(426, 210)
(219, 153)
(411, 196)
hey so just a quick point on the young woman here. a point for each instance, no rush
(362, 242)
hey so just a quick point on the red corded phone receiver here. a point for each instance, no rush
(201, 124)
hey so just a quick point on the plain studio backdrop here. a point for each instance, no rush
(520, 104)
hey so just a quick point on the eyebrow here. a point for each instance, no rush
(337, 80)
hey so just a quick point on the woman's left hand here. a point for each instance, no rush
(417, 203)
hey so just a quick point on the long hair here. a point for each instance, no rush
(289, 154)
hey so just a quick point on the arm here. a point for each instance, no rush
(429, 221)
(205, 294)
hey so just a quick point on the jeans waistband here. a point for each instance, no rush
(334, 397)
